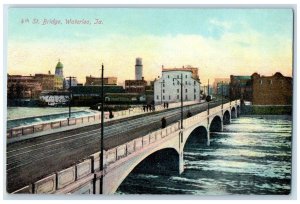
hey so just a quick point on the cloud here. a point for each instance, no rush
(232, 53)
(223, 25)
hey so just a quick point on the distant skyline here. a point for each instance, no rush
(219, 42)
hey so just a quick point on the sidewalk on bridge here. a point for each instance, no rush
(158, 108)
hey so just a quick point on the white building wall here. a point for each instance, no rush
(54, 99)
(74, 82)
(170, 91)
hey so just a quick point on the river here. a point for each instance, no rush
(20, 116)
(251, 156)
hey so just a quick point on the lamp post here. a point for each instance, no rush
(102, 126)
(207, 96)
(161, 85)
(222, 92)
(181, 98)
(70, 93)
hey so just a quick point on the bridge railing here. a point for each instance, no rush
(194, 119)
(83, 172)
(44, 126)
(116, 153)
(226, 105)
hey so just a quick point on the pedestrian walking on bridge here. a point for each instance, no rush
(163, 122)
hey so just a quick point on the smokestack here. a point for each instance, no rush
(138, 69)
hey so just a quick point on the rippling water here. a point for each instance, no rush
(20, 116)
(251, 156)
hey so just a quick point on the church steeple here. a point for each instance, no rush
(59, 69)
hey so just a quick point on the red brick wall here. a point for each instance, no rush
(274, 90)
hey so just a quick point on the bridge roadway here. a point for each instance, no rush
(32, 159)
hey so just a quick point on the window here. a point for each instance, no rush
(260, 81)
(163, 91)
(194, 90)
(271, 82)
(177, 90)
(186, 76)
(194, 82)
(177, 76)
(157, 97)
(163, 85)
(168, 76)
(163, 97)
(173, 83)
(185, 82)
(195, 97)
(177, 82)
(186, 90)
(186, 97)
(169, 97)
(177, 96)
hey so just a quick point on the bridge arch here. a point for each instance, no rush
(167, 157)
(226, 118)
(216, 124)
(198, 135)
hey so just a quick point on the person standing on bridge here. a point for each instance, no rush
(189, 114)
(163, 122)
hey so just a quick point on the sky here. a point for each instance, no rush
(220, 42)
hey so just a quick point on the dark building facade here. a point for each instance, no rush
(135, 86)
(23, 87)
(240, 88)
(90, 95)
(96, 81)
(222, 89)
(271, 90)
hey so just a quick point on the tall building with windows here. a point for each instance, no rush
(46, 80)
(168, 87)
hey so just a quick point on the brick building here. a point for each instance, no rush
(194, 71)
(46, 80)
(96, 81)
(135, 86)
(271, 90)
(23, 87)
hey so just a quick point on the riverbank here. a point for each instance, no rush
(266, 109)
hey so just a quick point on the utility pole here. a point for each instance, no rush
(181, 83)
(181, 108)
(161, 85)
(70, 93)
(207, 96)
(102, 126)
(222, 93)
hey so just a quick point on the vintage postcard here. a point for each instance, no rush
(149, 100)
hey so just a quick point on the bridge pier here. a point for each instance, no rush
(181, 163)
(208, 138)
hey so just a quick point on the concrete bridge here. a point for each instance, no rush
(159, 152)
